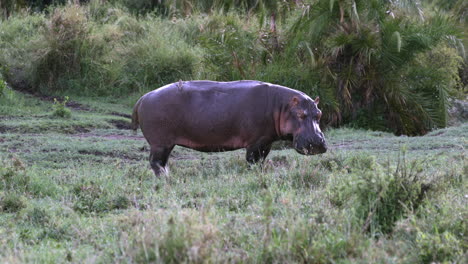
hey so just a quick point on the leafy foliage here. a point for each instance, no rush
(60, 109)
(369, 61)
(367, 54)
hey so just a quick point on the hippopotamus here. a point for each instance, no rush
(214, 116)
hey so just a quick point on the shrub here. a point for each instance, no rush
(59, 55)
(438, 247)
(18, 37)
(379, 196)
(60, 109)
(438, 228)
(367, 66)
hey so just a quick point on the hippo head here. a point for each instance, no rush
(301, 122)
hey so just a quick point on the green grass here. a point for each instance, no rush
(80, 189)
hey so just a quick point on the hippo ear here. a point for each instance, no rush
(317, 100)
(294, 101)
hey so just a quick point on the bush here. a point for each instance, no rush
(60, 109)
(367, 68)
(379, 196)
(18, 40)
(438, 247)
(59, 55)
(438, 228)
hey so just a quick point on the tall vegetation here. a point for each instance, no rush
(377, 64)
(367, 54)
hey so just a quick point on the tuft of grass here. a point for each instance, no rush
(186, 236)
(60, 109)
(12, 202)
(13, 175)
(380, 195)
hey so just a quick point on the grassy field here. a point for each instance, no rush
(80, 190)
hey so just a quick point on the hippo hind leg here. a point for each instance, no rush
(257, 152)
(158, 158)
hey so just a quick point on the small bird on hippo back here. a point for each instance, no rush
(221, 116)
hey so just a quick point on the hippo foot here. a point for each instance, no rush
(160, 171)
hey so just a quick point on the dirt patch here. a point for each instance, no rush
(109, 154)
(116, 137)
(76, 106)
(121, 124)
(437, 133)
(80, 129)
(121, 115)
(71, 104)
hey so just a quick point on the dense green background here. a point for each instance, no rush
(378, 64)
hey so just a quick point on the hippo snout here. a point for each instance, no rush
(322, 148)
(312, 147)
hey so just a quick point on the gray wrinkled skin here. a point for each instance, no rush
(221, 116)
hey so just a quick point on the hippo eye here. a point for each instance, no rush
(302, 115)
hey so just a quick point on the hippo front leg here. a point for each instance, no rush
(158, 158)
(258, 152)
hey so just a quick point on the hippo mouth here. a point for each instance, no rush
(310, 149)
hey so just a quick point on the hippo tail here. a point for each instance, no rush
(135, 123)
